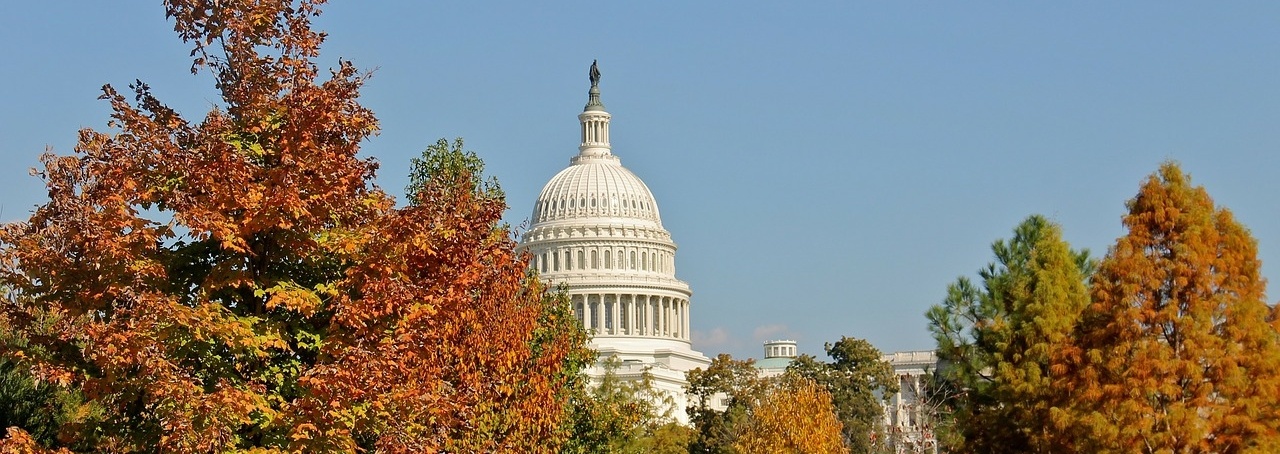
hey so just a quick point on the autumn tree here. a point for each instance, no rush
(720, 400)
(856, 379)
(238, 283)
(1174, 353)
(795, 416)
(997, 338)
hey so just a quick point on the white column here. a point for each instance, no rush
(666, 312)
(600, 313)
(631, 315)
(657, 316)
(586, 312)
(686, 320)
(617, 314)
(648, 315)
(680, 318)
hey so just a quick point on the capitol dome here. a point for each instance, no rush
(596, 188)
(596, 233)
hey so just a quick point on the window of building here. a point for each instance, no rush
(608, 263)
(595, 262)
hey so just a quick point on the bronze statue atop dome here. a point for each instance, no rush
(594, 74)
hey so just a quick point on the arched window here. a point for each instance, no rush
(608, 263)
(644, 261)
(555, 258)
(543, 261)
(595, 262)
(633, 260)
(582, 262)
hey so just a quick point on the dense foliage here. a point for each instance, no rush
(997, 339)
(795, 417)
(239, 284)
(1174, 353)
(856, 380)
(618, 414)
(721, 398)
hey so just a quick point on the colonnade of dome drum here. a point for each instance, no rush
(633, 314)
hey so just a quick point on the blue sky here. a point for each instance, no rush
(826, 169)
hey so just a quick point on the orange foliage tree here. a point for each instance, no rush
(239, 283)
(796, 416)
(1174, 353)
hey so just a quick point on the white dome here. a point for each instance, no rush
(596, 234)
(596, 189)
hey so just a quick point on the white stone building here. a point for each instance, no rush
(596, 230)
(909, 414)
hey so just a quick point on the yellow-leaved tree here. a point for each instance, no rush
(796, 416)
(1174, 352)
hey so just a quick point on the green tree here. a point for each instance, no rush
(49, 412)
(443, 160)
(720, 401)
(1174, 353)
(617, 415)
(857, 378)
(997, 340)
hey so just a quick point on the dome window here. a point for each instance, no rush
(572, 204)
(595, 262)
(608, 262)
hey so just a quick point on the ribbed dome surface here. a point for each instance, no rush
(595, 187)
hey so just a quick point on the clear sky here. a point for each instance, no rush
(826, 168)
